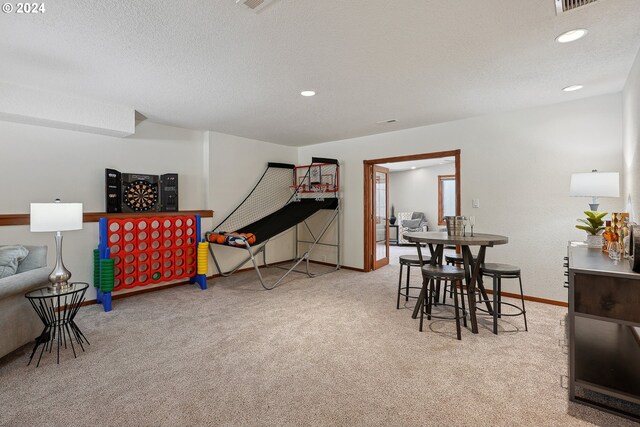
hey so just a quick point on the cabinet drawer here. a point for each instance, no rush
(610, 297)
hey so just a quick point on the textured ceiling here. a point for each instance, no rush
(212, 65)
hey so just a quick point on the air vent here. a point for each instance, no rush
(567, 5)
(255, 5)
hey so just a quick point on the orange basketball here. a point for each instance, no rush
(220, 239)
(251, 238)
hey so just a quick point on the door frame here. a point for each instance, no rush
(368, 193)
(376, 264)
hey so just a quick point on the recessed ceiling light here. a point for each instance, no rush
(571, 36)
(572, 88)
(413, 167)
(307, 93)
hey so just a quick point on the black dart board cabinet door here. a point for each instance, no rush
(169, 192)
(113, 190)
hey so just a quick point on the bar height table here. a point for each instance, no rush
(472, 269)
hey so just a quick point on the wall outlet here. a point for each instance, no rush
(475, 203)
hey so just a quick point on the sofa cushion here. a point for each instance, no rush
(37, 258)
(10, 257)
(411, 223)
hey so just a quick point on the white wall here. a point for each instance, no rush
(38, 164)
(631, 119)
(31, 106)
(235, 166)
(216, 171)
(517, 163)
(417, 191)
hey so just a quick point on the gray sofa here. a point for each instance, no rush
(19, 323)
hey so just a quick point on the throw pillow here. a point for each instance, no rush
(10, 257)
(411, 223)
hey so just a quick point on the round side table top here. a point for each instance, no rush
(46, 293)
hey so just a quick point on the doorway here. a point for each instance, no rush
(378, 179)
(380, 218)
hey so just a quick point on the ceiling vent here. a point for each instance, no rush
(567, 5)
(255, 5)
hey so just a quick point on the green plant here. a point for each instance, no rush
(593, 223)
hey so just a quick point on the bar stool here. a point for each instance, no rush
(499, 272)
(456, 260)
(433, 273)
(409, 261)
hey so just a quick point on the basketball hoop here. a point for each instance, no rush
(295, 192)
(319, 190)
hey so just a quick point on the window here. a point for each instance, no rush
(446, 197)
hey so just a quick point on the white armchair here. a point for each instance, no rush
(410, 221)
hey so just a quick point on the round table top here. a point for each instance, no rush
(46, 293)
(442, 238)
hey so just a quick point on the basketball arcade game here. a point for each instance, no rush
(286, 196)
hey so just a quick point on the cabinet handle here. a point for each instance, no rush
(607, 303)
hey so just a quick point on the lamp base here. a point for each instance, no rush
(594, 207)
(58, 287)
(59, 277)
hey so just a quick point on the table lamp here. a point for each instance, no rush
(595, 184)
(57, 217)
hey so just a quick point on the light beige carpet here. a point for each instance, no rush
(319, 352)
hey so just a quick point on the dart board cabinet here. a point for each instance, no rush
(133, 192)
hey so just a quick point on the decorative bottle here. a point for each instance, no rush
(609, 236)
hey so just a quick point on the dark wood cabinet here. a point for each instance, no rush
(604, 326)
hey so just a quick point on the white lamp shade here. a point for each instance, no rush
(595, 184)
(56, 216)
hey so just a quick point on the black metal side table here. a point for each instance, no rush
(57, 312)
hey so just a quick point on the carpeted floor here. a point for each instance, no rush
(318, 352)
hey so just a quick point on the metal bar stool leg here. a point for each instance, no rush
(464, 309)
(399, 288)
(432, 285)
(406, 297)
(456, 309)
(450, 290)
(495, 305)
(524, 312)
(499, 297)
(422, 301)
(444, 292)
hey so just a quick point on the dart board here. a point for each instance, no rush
(141, 195)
